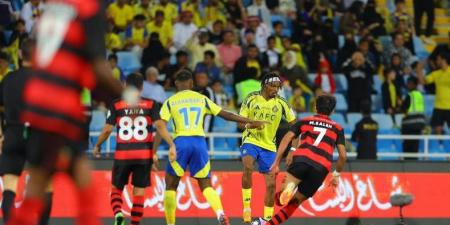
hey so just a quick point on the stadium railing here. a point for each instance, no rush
(425, 139)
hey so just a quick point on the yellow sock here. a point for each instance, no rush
(170, 206)
(246, 197)
(268, 212)
(213, 199)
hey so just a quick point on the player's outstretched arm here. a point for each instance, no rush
(342, 158)
(251, 124)
(161, 128)
(281, 149)
(106, 131)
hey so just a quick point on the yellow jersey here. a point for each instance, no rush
(165, 31)
(441, 78)
(113, 41)
(188, 109)
(256, 107)
(170, 11)
(121, 16)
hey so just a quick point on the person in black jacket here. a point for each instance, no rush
(271, 58)
(365, 133)
(390, 92)
(250, 59)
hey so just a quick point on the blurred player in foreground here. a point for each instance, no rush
(69, 56)
(312, 160)
(15, 151)
(259, 144)
(134, 152)
(188, 109)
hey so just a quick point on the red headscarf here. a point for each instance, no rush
(324, 63)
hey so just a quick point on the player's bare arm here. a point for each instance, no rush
(156, 143)
(106, 132)
(275, 168)
(294, 145)
(340, 163)
(249, 123)
(161, 128)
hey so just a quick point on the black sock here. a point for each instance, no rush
(45, 217)
(7, 204)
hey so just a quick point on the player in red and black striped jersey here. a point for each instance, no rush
(134, 150)
(312, 160)
(69, 56)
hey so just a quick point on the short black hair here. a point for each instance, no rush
(399, 1)
(136, 80)
(277, 23)
(445, 55)
(413, 80)
(159, 13)
(181, 53)
(325, 104)
(139, 17)
(226, 31)
(270, 38)
(386, 71)
(26, 47)
(217, 22)
(366, 107)
(183, 75)
(210, 54)
(113, 56)
(252, 46)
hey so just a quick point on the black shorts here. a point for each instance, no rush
(14, 152)
(311, 177)
(45, 148)
(439, 117)
(140, 175)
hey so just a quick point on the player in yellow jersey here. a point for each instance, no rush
(259, 145)
(187, 109)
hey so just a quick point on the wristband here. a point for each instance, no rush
(292, 149)
(336, 174)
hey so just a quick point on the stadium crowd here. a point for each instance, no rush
(355, 49)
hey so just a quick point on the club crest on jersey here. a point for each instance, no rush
(257, 107)
(275, 109)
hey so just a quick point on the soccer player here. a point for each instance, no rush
(311, 161)
(188, 109)
(258, 145)
(14, 152)
(133, 156)
(69, 56)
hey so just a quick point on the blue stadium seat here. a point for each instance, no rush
(419, 48)
(224, 144)
(377, 103)
(312, 76)
(98, 120)
(341, 83)
(385, 41)
(429, 104)
(435, 146)
(336, 23)
(304, 114)
(341, 103)
(384, 121)
(377, 82)
(398, 119)
(353, 119)
(339, 118)
(128, 62)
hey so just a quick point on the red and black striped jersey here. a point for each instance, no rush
(69, 37)
(134, 129)
(319, 135)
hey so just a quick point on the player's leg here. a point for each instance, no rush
(288, 189)
(140, 180)
(265, 161)
(248, 154)
(213, 199)
(170, 197)
(48, 199)
(119, 178)
(9, 194)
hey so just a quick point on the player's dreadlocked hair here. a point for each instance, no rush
(270, 77)
(325, 104)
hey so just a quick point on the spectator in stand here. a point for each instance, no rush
(414, 121)
(208, 66)
(212, 13)
(347, 50)
(398, 47)
(249, 39)
(153, 52)
(151, 88)
(325, 79)
(182, 63)
(319, 14)
(359, 78)
(249, 60)
(391, 95)
(116, 71)
(261, 30)
(350, 23)
(271, 58)
(121, 13)
(364, 48)
(221, 97)
(15, 40)
(4, 65)
(400, 73)
(365, 133)
(401, 14)
(440, 48)
(170, 10)
(7, 14)
(198, 44)
(236, 12)
(247, 86)
(294, 74)
(113, 41)
(30, 13)
(441, 78)
(162, 27)
(216, 33)
(163, 67)
(278, 34)
(424, 7)
(298, 54)
(183, 30)
(287, 8)
(195, 8)
(297, 101)
(144, 8)
(402, 28)
(373, 21)
(318, 50)
(260, 10)
(136, 35)
(229, 52)
(201, 86)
